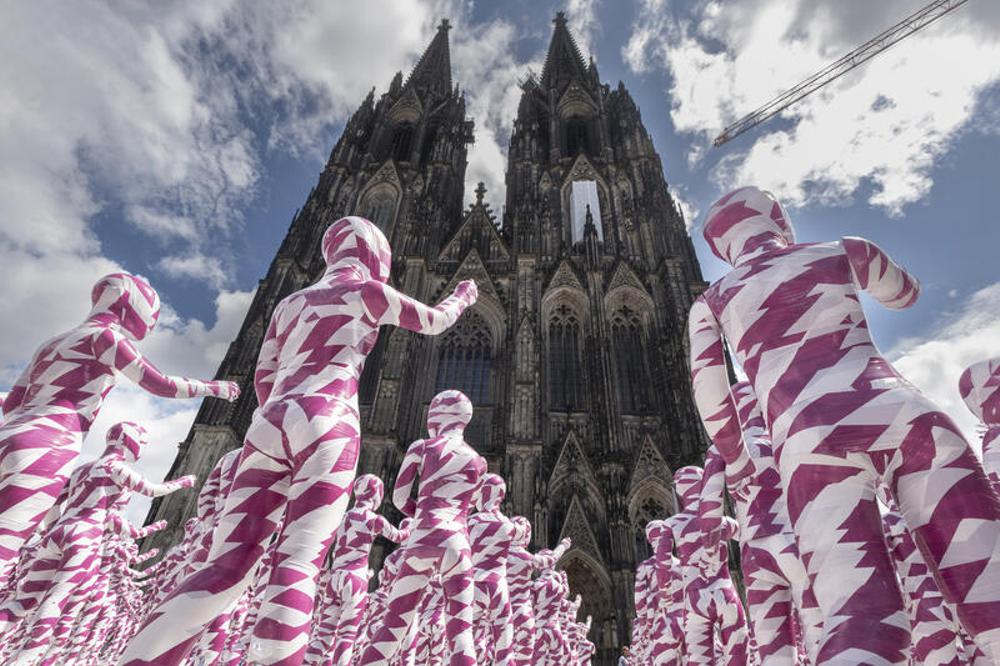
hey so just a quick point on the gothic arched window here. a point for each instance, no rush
(577, 139)
(565, 373)
(627, 353)
(402, 142)
(465, 361)
(380, 207)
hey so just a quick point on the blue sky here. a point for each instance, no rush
(177, 139)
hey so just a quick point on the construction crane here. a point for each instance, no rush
(862, 54)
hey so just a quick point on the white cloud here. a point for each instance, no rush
(195, 266)
(963, 337)
(885, 124)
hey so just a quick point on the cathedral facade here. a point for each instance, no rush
(575, 354)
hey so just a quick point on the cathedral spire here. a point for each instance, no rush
(563, 61)
(433, 71)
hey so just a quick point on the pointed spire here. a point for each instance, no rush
(563, 61)
(433, 71)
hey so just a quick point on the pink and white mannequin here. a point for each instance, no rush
(980, 389)
(300, 451)
(450, 473)
(777, 585)
(551, 646)
(53, 403)
(665, 599)
(378, 605)
(521, 566)
(69, 555)
(711, 604)
(347, 591)
(640, 645)
(842, 421)
(491, 534)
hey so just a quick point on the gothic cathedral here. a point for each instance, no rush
(575, 355)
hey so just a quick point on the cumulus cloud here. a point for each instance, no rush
(884, 125)
(934, 362)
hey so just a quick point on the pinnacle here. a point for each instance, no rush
(433, 71)
(563, 61)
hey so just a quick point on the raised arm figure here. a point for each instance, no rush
(450, 474)
(52, 405)
(492, 535)
(521, 566)
(347, 591)
(70, 552)
(842, 421)
(300, 452)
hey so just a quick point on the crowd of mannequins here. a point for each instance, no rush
(868, 530)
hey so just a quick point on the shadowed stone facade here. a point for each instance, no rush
(575, 355)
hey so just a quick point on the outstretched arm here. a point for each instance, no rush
(873, 271)
(126, 477)
(394, 534)
(407, 476)
(387, 306)
(546, 559)
(130, 362)
(712, 396)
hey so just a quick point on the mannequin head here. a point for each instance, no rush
(130, 300)
(126, 440)
(355, 243)
(687, 482)
(449, 413)
(491, 493)
(522, 531)
(980, 389)
(747, 222)
(368, 491)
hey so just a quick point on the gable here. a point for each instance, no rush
(577, 527)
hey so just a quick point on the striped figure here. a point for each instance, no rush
(450, 474)
(300, 452)
(521, 566)
(783, 613)
(842, 421)
(979, 386)
(711, 605)
(640, 645)
(68, 558)
(53, 403)
(665, 599)
(551, 645)
(491, 534)
(347, 589)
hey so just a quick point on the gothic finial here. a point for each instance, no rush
(480, 192)
(560, 18)
(445, 25)
(590, 216)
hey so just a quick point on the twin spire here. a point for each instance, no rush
(562, 63)
(433, 71)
